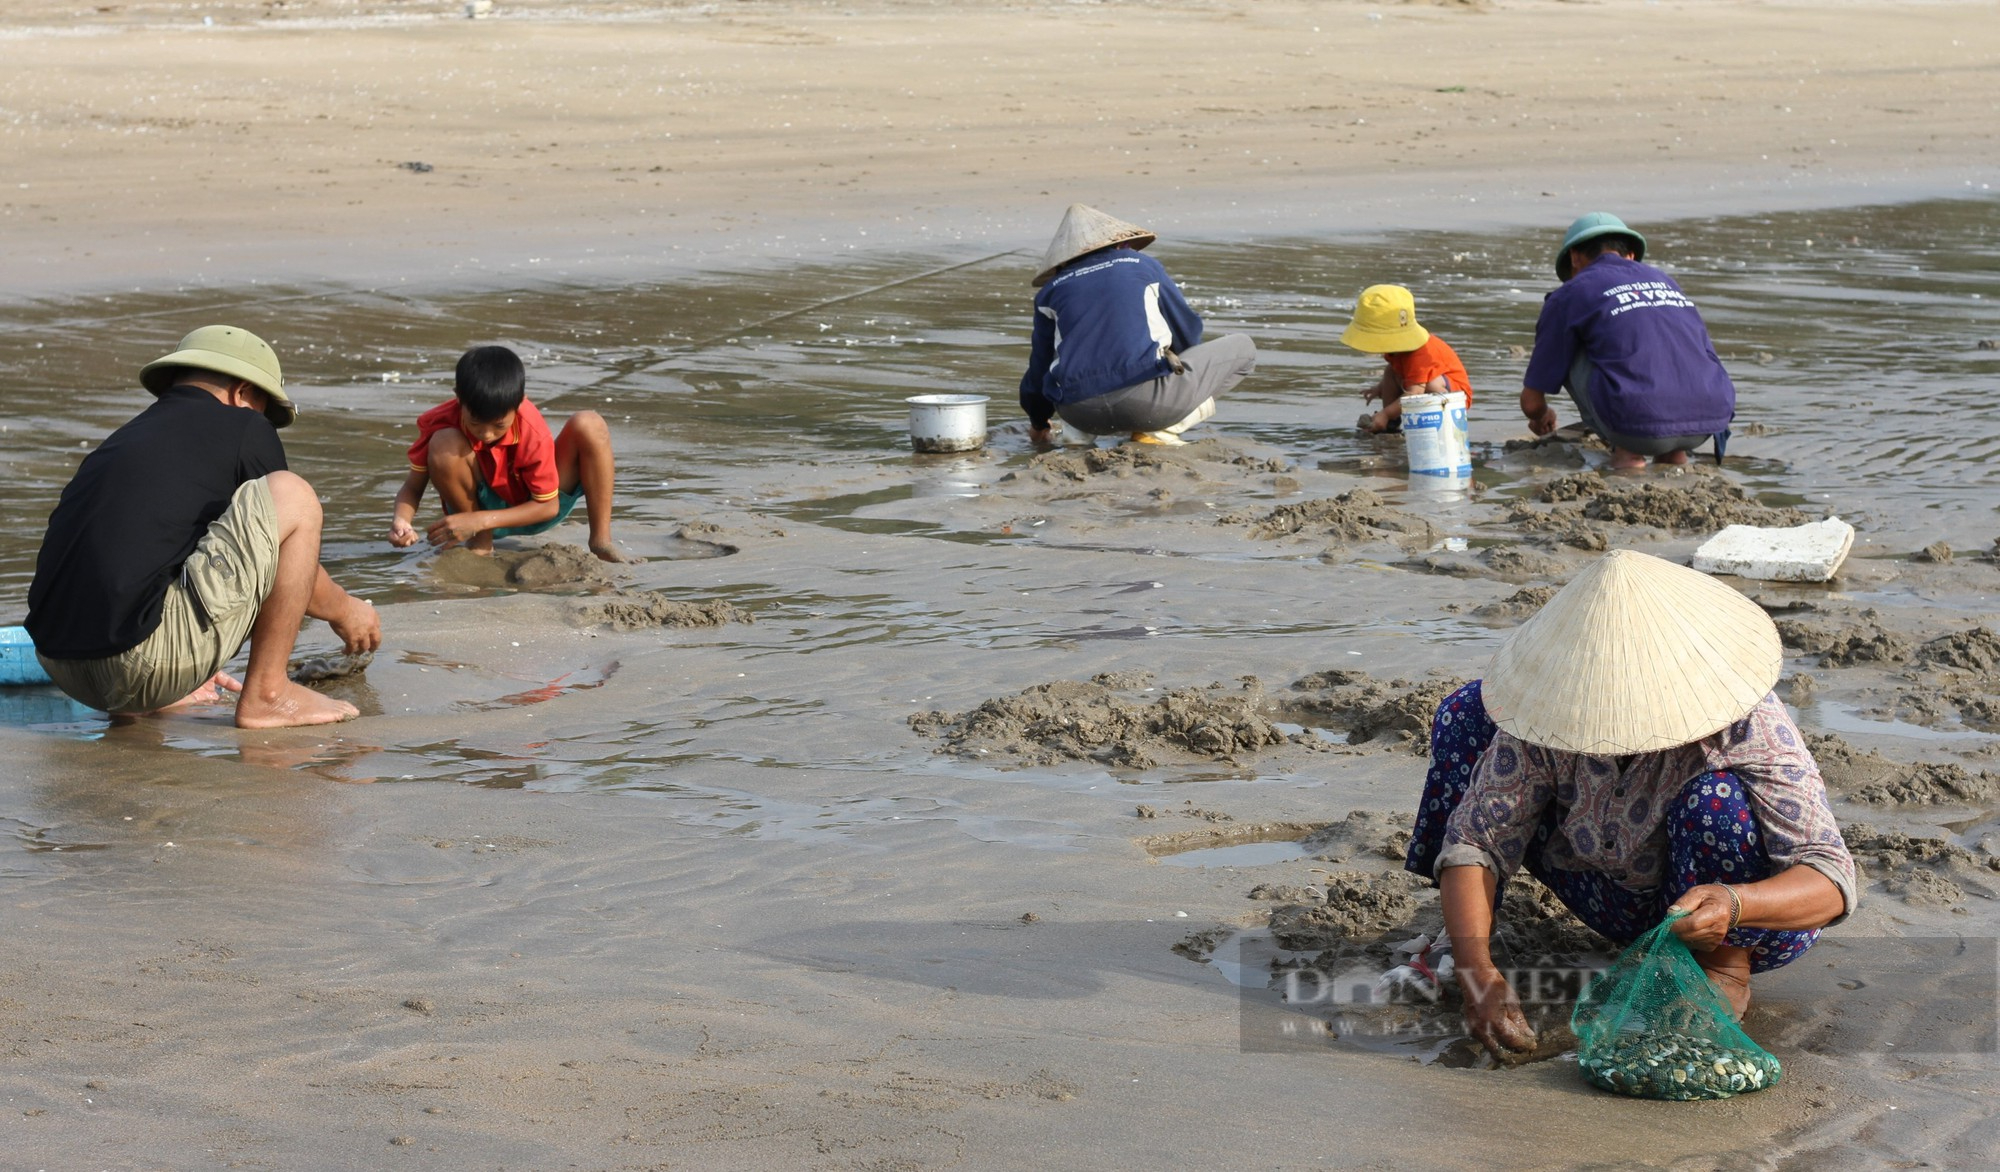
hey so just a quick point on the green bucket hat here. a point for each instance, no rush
(236, 353)
(1590, 227)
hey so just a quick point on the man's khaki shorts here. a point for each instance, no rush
(207, 616)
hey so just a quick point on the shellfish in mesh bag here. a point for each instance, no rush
(1652, 1026)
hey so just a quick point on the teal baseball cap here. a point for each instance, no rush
(1590, 227)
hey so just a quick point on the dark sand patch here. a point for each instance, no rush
(632, 611)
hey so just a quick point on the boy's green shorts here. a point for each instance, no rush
(204, 621)
(565, 501)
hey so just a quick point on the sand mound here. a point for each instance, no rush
(1353, 517)
(1973, 649)
(652, 608)
(1396, 712)
(1362, 834)
(555, 564)
(1879, 852)
(1068, 720)
(1533, 924)
(1846, 644)
(1075, 465)
(1362, 914)
(1930, 784)
(1698, 501)
(1843, 767)
(1872, 779)
(1517, 606)
(1924, 888)
(1357, 905)
(1508, 563)
(1563, 525)
(1287, 893)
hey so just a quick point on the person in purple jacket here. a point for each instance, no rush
(1116, 349)
(1631, 349)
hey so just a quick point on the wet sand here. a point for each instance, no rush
(850, 830)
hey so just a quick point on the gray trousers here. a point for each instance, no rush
(1641, 445)
(1212, 368)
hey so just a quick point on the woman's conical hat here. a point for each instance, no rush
(1633, 656)
(1085, 229)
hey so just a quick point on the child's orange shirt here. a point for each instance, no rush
(519, 466)
(1428, 361)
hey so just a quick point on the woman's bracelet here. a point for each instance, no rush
(1735, 907)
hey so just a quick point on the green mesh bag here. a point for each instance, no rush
(1652, 1026)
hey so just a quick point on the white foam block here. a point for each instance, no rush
(1802, 553)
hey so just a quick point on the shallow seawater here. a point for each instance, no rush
(1852, 335)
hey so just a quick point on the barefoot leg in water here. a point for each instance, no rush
(1672, 460)
(269, 698)
(583, 457)
(1624, 461)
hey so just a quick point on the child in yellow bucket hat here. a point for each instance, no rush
(1419, 362)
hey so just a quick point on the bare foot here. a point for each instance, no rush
(290, 706)
(1728, 970)
(1672, 459)
(1624, 461)
(609, 552)
(210, 692)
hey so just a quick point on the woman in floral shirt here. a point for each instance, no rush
(1625, 749)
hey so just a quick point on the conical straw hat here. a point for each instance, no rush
(1085, 229)
(1633, 656)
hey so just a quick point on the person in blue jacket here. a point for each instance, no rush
(1630, 347)
(1117, 350)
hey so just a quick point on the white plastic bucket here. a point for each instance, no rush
(947, 423)
(1434, 435)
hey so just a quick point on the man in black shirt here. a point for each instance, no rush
(182, 535)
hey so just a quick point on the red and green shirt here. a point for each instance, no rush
(519, 466)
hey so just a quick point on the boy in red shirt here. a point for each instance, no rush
(1385, 323)
(497, 469)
